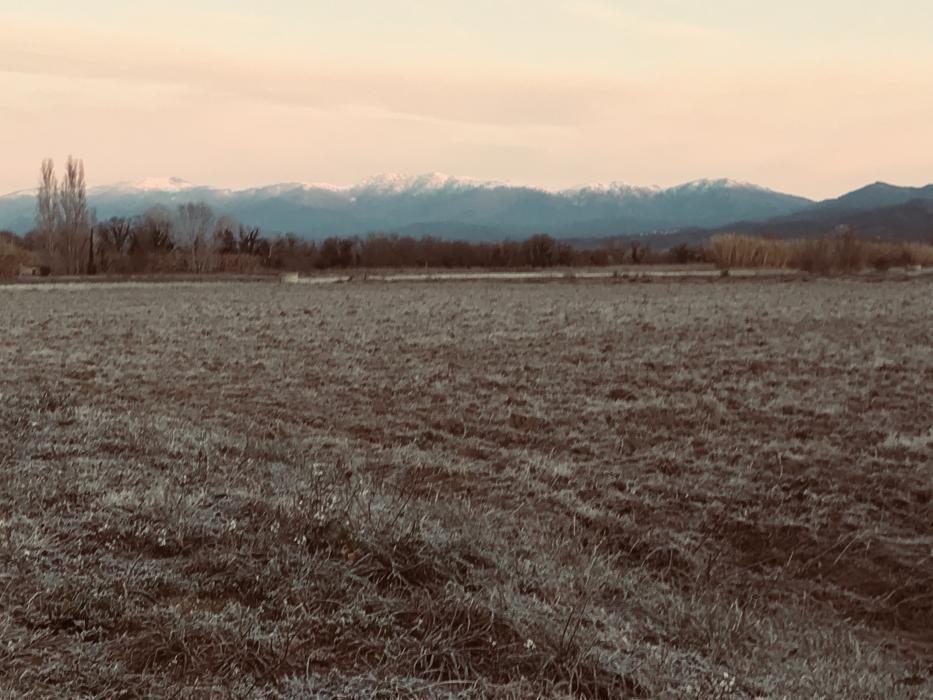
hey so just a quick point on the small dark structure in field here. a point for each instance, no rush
(34, 270)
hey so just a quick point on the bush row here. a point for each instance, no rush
(838, 253)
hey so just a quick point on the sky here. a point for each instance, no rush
(815, 98)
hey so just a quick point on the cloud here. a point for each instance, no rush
(227, 116)
(418, 93)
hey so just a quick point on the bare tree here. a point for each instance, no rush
(225, 235)
(48, 214)
(249, 239)
(540, 250)
(91, 268)
(113, 242)
(75, 219)
(195, 221)
(114, 234)
(151, 240)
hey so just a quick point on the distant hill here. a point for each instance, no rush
(444, 206)
(875, 196)
(877, 211)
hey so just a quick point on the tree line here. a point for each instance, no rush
(192, 238)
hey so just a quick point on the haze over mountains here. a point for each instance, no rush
(451, 207)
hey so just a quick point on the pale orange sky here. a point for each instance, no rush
(810, 97)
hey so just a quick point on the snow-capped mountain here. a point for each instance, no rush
(441, 205)
(396, 184)
(152, 184)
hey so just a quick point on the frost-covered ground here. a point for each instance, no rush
(698, 488)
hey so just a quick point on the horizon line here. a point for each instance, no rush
(405, 180)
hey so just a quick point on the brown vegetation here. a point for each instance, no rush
(12, 255)
(665, 490)
(840, 253)
(168, 241)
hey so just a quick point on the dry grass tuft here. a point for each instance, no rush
(12, 257)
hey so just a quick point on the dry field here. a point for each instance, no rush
(696, 489)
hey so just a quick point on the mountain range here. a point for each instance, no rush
(461, 208)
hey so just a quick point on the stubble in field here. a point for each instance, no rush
(687, 489)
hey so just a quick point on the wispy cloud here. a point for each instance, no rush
(218, 111)
(421, 93)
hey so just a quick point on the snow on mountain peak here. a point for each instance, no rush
(164, 184)
(618, 189)
(149, 184)
(284, 188)
(705, 184)
(390, 184)
(397, 183)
